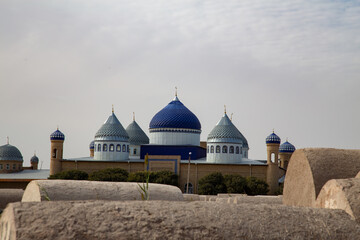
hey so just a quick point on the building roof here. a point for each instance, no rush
(112, 130)
(175, 115)
(27, 174)
(273, 138)
(57, 135)
(10, 152)
(136, 135)
(225, 131)
(287, 147)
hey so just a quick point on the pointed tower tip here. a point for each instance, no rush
(134, 116)
(175, 91)
(224, 109)
(112, 108)
(7, 140)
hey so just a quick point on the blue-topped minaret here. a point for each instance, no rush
(285, 151)
(57, 139)
(272, 147)
(175, 124)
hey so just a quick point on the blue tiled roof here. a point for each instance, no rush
(91, 145)
(57, 135)
(34, 159)
(136, 135)
(287, 147)
(112, 130)
(225, 131)
(175, 115)
(273, 138)
(10, 152)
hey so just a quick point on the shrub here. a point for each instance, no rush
(255, 186)
(163, 177)
(235, 183)
(110, 175)
(212, 184)
(71, 174)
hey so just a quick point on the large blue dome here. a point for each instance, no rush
(175, 115)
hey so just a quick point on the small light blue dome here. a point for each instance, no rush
(112, 130)
(10, 152)
(136, 135)
(287, 147)
(57, 135)
(175, 115)
(225, 131)
(92, 144)
(273, 138)
(34, 159)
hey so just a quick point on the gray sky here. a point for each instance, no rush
(289, 65)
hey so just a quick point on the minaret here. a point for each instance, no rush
(91, 147)
(57, 142)
(34, 161)
(272, 173)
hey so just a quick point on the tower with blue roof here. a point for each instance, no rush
(57, 139)
(285, 151)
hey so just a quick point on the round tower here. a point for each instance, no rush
(285, 151)
(91, 147)
(57, 139)
(272, 173)
(34, 161)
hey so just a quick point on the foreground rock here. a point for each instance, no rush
(66, 190)
(309, 169)
(10, 195)
(341, 194)
(172, 220)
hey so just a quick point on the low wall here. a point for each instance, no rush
(310, 168)
(66, 190)
(172, 220)
(10, 195)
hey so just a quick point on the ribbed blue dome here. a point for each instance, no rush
(10, 152)
(92, 145)
(34, 159)
(175, 115)
(112, 130)
(287, 147)
(57, 135)
(273, 138)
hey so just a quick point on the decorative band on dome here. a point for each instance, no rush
(57, 135)
(174, 130)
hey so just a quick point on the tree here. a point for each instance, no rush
(110, 174)
(71, 174)
(235, 183)
(162, 177)
(212, 184)
(255, 186)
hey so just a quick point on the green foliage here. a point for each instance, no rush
(163, 177)
(71, 174)
(212, 184)
(235, 183)
(279, 191)
(110, 175)
(255, 186)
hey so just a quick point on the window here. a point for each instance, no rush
(111, 147)
(99, 148)
(54, 154)
(237, 150)
(1, 167)
(190, 188)
(224, 149)
(124, 148)
(118, 148)
(105, 147)
(7, 166)
(273, 157)
(128, 149)
(14, 166)
(212, 149)
(231, 149)
(217, 149)
(134, 151)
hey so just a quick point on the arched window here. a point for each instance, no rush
(224, 149)
(128, 149)
(124, 148)
(104, 147)
(217, 149)
(118, 148)
(111, 147)
(237, 150)
(54, 154)
(212, 149)
(7, 167)
(273, 157)
(134, 151)
(190, 188)
(231, 149)
(99, 148)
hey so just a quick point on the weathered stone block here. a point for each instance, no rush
(341, 194)
(309, 169)
(9, 195)
(66, 190)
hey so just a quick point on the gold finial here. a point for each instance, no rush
(225, 109)
(175, 91)
(112, 108)
(57, 127)
(273, 131)
(7, 139)
(231, 116)
(133, 116)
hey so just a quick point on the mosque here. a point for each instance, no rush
(173, 144)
